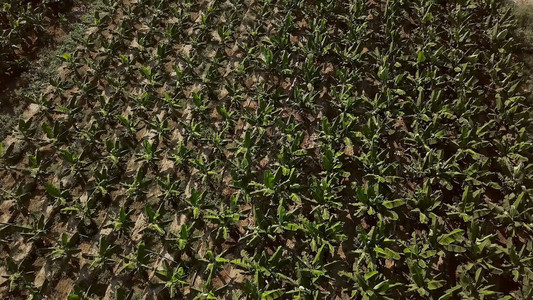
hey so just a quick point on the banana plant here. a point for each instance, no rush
(61, 196)
(26, 129)
(82, 209)
(131, 126)
(425, 202)
(171, 189)
(137, 261)
(196, 202)
(76, 161)
(324, 232)
(80, 294)
(55, 134)
(154, 219)
(104, 254)
(150, 153)
(36, 229)
(182, 155)
(225, 218)
(38, 164)
(214, 263)
(173, 278)
(370, 285)
(160, 126)
(115, 150)
(139, 183)
(66, 247)
(7, 156)
(17, 280)
(121, 222)
(185, 237)
(264, 269)
(371, 202)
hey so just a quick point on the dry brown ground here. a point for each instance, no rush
(524, 2)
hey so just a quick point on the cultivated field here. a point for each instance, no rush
(265, 149)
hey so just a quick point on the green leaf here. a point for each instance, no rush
(52, 190)
(421, 57)
(370, 275)
(518, 200)
(145, 72)
(276, 257)
(435, 284)
(417, 273)
(455, 248)
(387, 253)
(157, 228)
(150, 213)
(48, 130)
(319, 254)
(273, 294)
(223, 112)
(269, 179)
(382, 286)
(393, 203)
(449, 292)
(447, 239)
(400, 92)
(123, 120)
